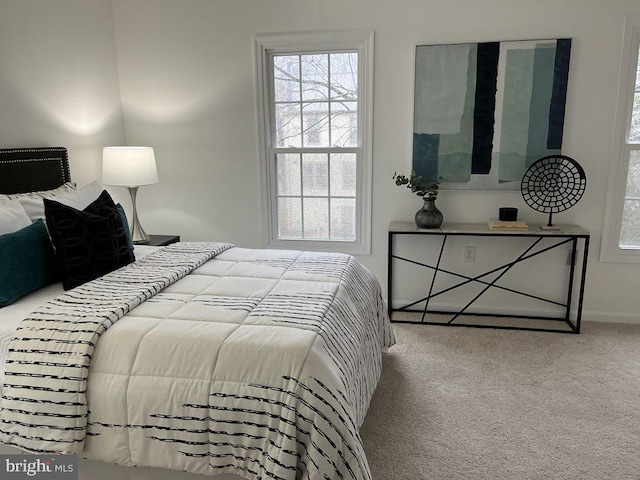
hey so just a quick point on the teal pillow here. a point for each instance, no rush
(125, 224)
(28, 262)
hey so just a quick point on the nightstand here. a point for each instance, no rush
(162, 240)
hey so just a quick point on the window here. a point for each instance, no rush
(630, 232)
(315, 101)
(621, 230)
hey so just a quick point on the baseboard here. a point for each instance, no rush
(632, 318)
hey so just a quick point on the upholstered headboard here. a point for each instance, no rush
(33, 169)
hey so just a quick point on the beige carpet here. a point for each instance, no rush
(467, 403)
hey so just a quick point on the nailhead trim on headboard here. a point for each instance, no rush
(33, 169)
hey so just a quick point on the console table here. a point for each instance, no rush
(565, 235)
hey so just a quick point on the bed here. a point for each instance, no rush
(197, 357)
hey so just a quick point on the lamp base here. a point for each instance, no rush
(138, 235)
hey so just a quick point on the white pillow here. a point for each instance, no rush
(35, 197)
(64, 188)
(12, 217)
(78, 198)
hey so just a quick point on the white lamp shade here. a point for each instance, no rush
(129, 166)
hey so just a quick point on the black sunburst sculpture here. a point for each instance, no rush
(553, 184)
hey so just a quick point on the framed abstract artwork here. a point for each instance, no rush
(484, 112)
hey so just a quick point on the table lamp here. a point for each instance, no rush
(130, 167)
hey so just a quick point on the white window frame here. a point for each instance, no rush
(610, 250)
(302, 42)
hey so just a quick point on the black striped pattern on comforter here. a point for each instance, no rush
(44, 405)
(283, 380)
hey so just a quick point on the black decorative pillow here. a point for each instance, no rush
(88, 243)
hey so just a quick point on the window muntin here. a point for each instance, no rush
(316, 195)
(315, 104)
(315, 99)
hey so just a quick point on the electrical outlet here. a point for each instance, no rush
(470, 254)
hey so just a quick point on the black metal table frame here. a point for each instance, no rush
(562, 239)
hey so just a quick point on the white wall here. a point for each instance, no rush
(58, 79)
(187, 82)
(187, 88)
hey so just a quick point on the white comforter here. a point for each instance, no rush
(260, 363)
